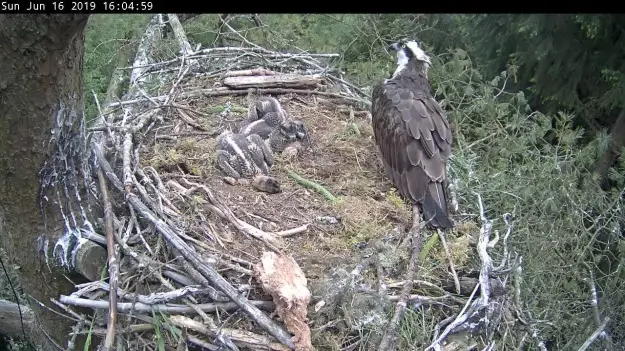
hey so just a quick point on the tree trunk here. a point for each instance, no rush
(617, 134)
(41, 146)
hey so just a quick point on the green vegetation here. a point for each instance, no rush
(531, 98)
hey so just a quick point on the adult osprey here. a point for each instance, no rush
(413, 134)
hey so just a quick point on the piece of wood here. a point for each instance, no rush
(90, 260)
(22, 326)
(251, 72)
(276, 81)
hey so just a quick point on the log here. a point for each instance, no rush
(90, 260)
(251, 72)
(277, 81)
(144, 50)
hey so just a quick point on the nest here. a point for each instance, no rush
(188, 252)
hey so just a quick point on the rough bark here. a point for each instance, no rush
(41, 115)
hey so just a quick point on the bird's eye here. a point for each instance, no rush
(403, 46)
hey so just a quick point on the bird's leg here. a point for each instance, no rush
(441, 235)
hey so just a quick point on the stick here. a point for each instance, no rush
(126, 307)
(273, 81)
(390, 336)
(113, 265)
(441, 234)
(594, 335)
(222, 91)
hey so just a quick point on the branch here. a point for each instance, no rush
(390, 336)
(113, 265)
(127, 307)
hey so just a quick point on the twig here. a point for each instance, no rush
(594, 335)
(225, 91)
(153, 298)
(126, 307)
(293, 231)
(441, 234)
(460, 318)
(112, 261)
(247, 339)
(242, 226)
(390, 335)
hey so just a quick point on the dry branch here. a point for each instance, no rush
(273, 81)
(113, 264)
(390, 335)
(242, 338)
(176, 27)
(17, 322)
(144, 49)
(126, 307)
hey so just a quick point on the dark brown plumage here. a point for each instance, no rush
(413, 135)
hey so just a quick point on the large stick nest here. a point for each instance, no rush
(187, 242)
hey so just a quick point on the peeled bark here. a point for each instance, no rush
(41, 150)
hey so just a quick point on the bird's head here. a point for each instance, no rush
(288, 130)
(409, 51)
(294, 130)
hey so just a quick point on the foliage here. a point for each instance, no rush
(567, 62)
(560, 211)
(107, 38)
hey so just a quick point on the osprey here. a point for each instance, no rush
(413, 135)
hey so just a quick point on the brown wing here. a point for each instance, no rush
(414, 138)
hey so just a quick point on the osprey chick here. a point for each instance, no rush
(241, 156)
(271, 122)
(413, 134)
(269, 109)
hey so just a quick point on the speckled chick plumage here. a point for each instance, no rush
(243, 156)
(272, 123)
(269, 109)
(277, 138)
